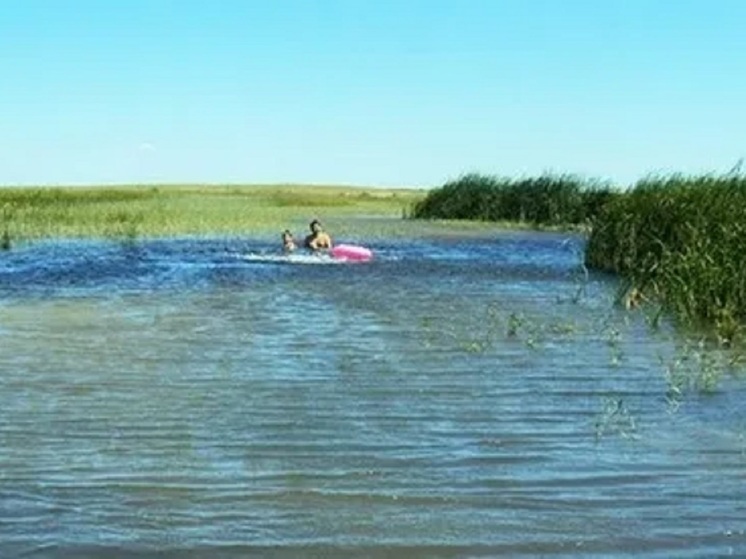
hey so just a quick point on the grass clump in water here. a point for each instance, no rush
(681, 240)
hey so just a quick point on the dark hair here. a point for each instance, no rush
(315, 222)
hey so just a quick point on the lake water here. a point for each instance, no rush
(460, 396)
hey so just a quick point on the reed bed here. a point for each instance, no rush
(562, 200)
(681, 241)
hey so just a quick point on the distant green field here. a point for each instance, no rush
(159, 211)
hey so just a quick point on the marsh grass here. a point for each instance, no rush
(548, 200)
(495, 327)
(680, 241)
(697, 368)
(130, 212)
(615, 418)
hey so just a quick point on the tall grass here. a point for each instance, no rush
(546, 200)
(681, 240)
(144, 211)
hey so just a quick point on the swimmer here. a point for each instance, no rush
(318, 239)
(288, 243)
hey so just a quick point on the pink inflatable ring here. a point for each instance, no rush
(351, 252)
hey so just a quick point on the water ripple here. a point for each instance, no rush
(453, 398)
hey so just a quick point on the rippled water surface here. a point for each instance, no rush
(469, 396)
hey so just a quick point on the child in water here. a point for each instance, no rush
(288, 243)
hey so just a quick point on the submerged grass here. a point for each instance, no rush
(130, 212)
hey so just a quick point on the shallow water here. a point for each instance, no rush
(459, 396)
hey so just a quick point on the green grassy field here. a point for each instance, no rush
(162, 211)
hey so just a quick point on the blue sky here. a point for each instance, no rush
(385, 92)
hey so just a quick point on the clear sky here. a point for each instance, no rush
(369, 92)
